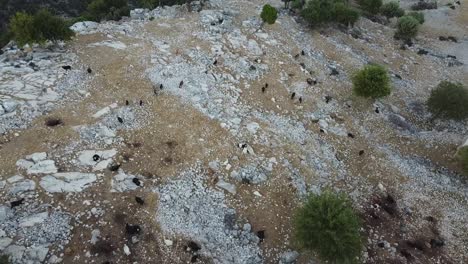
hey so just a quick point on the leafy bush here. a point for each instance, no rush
(463, 158)
(108, 9)
(150, 4)
(345, 15)
(372, 81)
(418, 15)
(38, 28)
(392, 9)
(449, 100)
(326, 11)
(269, 14)
(370, 6)
(328, 225)
(5, 37)
(297, 4)
(407, 27)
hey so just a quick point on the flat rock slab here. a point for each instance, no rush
(98, 159)
(123, 182)
(67, 182)
(43, 167)
(33, 219)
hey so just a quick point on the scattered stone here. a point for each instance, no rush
(289, 257)
(231, 188)
(126, 250)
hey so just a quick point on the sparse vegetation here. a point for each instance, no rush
(328, 225)
(107, 9)
(318, 12)
(392, 9)
(449, 100)
(269, 14)
(38, 28)
(372, 7)
(419, 16)
(372, 81)
(407, 28)
(463, 158)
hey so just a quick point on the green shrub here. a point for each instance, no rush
(318, 12)
(38, 28)
(370, 6)
(463, 158)
(328, 225)
(407, 27)
(449, 100)
(150, 4)
(269, 14)
(345, 15)
(5, 37)
(392, 9)
(372, 81)
(418, 15)
(108, 9)
(297, 4)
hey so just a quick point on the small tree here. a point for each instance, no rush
(38, 28)
(419, 16)
(449, 100)
(269, 14)
(370, 6)
(328, 225)
(317, 12)
(345, 15)
(392, 9)
(372, 81)
(407, 28)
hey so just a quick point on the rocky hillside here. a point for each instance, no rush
(159, 145)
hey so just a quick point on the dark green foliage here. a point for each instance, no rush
(38, 28)
(345, 15)
(4, 259)
(5, 37)
(407, 27)
(372, 81)
(269, 14)
(392, 9)
(108, 9)
(318, 12)
(463, 158)
(449, 100)
(370, 6)
(418, 15)
(297, 4)
(328, 225)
